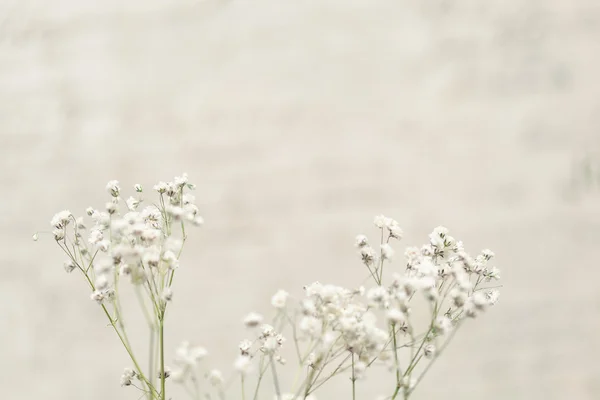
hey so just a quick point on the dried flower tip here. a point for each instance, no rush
(137, 187)
(280, 360)
(69, 266)
(167, 373)
(113, 188)
(167, 294)
(215, 377)
(252, 320)
(59, 234)
(361, 241)
(429, 351)
(245, 346)
(279, 299)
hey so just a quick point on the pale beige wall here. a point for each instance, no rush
(300, 120)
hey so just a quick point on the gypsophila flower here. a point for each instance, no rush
(252, 320)
(243, 365)
(361, 240)
(386, 251)
(132, 203)
(61, 219)
(59, 234)
(96, 236)
(429, 351)
(395, 316)
(492, 296)
(137, 187)
(35, 237)
(368, 255)
(70, 266)
(167, 294)
(245, 346)
(279, 299)
(113, 188)
(215, 377)
(127, 377)
(189, 356)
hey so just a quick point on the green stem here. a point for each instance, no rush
(161, 344)
(353, 380)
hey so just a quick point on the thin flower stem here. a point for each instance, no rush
(353, 379)
(161, 344)
(275, 379)
(437, 354)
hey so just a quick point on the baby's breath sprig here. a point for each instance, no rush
(334, 330)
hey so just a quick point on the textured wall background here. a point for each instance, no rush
(300, 120)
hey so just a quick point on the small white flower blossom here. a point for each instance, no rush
(387, 252)
(132, 203)
(113, 188)
(127, 377)
(215, 377)
(252, 320)
(243, 365)
(279, 299)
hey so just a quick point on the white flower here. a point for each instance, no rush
(311, 326)
(138, 188)
(35, 237)
(186, 355)
(113, 188)
(90, 211)
(127, 377)
(96, 236)
(245, 346)
(243, 365)
(181, 180)
(253, 320)
(279, 299)
(215, 377)
(380, 221)
(395, 231)
(361, 240)
(395, 316)
(429, 351)
(61, 219)
(97, 296)
(443, 325)
(492, 296)
(387, 252)
(59, 234)
(132, 203)
(160, 187)
(111, 208)
(101, 283)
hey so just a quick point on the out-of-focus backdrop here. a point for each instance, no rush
(300, 120)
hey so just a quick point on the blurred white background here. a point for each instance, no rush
(300, 120)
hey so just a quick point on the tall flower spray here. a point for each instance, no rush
(333, 331)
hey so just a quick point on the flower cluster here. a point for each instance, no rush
(334, 330)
